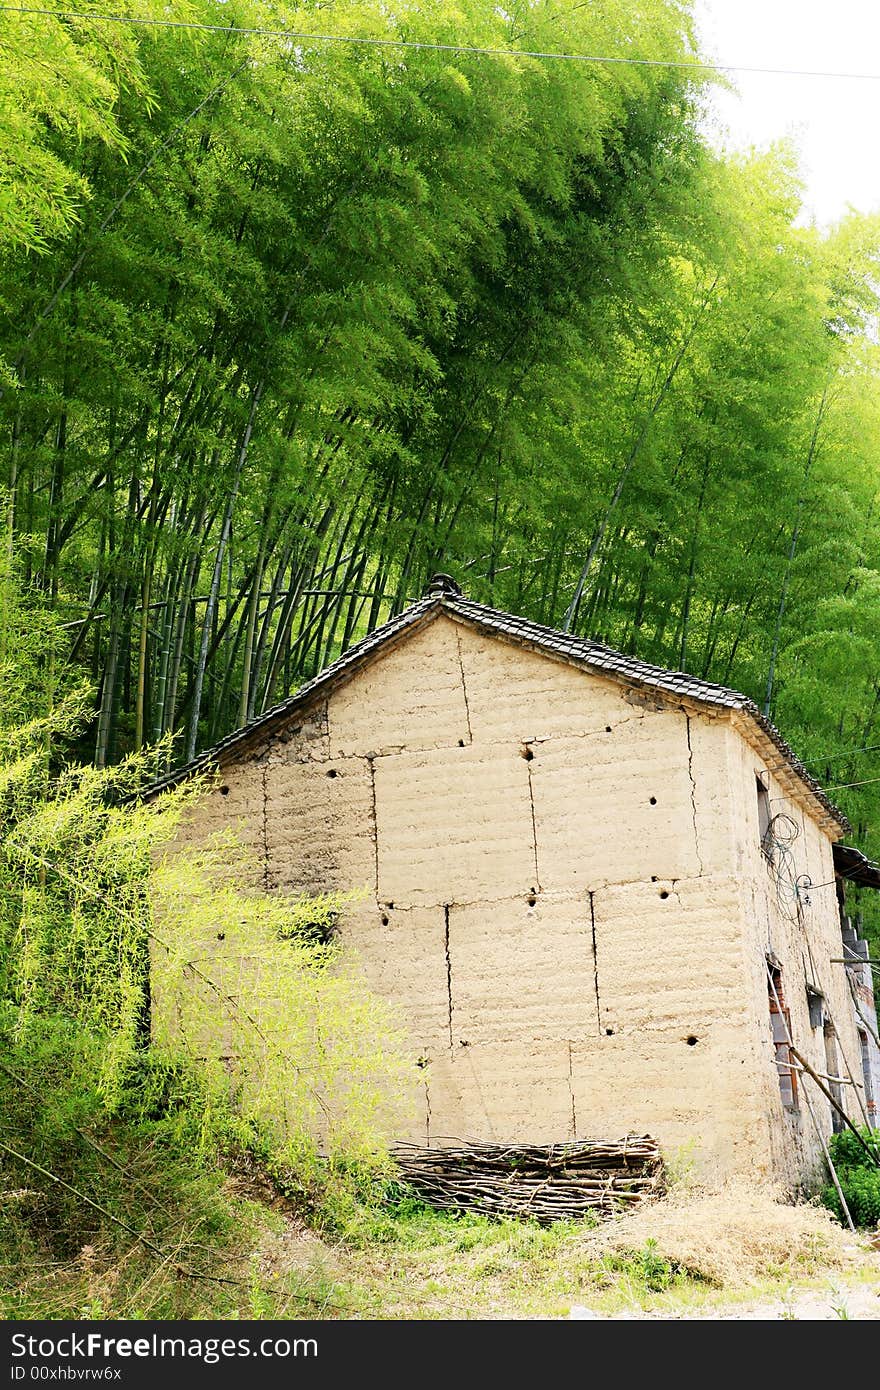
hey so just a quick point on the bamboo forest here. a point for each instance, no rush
(285, 329)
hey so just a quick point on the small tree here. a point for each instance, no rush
(91, 896)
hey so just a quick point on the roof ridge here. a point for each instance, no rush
(589, 645)
(594, 656)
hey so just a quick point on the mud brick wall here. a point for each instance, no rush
(564, 896)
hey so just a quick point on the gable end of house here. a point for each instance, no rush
(638, 681)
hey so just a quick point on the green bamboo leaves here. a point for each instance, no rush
(340, 315)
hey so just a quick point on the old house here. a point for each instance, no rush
(604, 896)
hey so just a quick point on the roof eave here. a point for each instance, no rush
(340, 671)
(669, 686)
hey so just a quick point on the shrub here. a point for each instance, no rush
(858, 1176)
(159, 1021)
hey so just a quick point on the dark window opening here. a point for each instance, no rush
(764, 819)
(816, 1003)
(780, 1023)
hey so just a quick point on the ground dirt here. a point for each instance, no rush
(854, 1304)
(739, 1254)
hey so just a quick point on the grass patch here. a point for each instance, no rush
(407, 1261)
(230, 1231)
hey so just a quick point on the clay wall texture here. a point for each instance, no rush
(565, 897)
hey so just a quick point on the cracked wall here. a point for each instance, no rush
(564, 895)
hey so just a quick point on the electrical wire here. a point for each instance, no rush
(829, 756)
(839, 786)
(694, 64)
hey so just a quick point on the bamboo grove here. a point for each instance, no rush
(294, 323)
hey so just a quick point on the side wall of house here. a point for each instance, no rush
(790, 909)
(560, 895)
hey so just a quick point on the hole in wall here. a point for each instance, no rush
(385, 919)
(609, 1032)
(332, 772)
(461, 743)
(531, 900)
(653, 878)
(653, 801)
(422, 1062)
(463, 1042)
(224, 791)
(664, 893)
(391, 905)
(527, 754)
(221, 936)
(691, 1040)
(608, 728)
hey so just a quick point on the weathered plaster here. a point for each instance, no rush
(564, 896)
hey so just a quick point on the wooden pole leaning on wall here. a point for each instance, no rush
(857, 1086)
(819, 1135)
(872, 1153)
(852, 960)
(832, 1021)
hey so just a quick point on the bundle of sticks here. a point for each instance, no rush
(552, 1182)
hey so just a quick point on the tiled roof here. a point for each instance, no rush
(594, 657)
(597, 657)
(852, 864)
(580, 651)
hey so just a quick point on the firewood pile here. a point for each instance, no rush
(553, 1182)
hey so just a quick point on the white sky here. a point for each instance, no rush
(835, 123)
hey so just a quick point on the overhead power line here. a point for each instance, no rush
(686, 64)
(831, 756)
(839, 786)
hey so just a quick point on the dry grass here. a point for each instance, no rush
(691, 1254)
(733, 1237)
